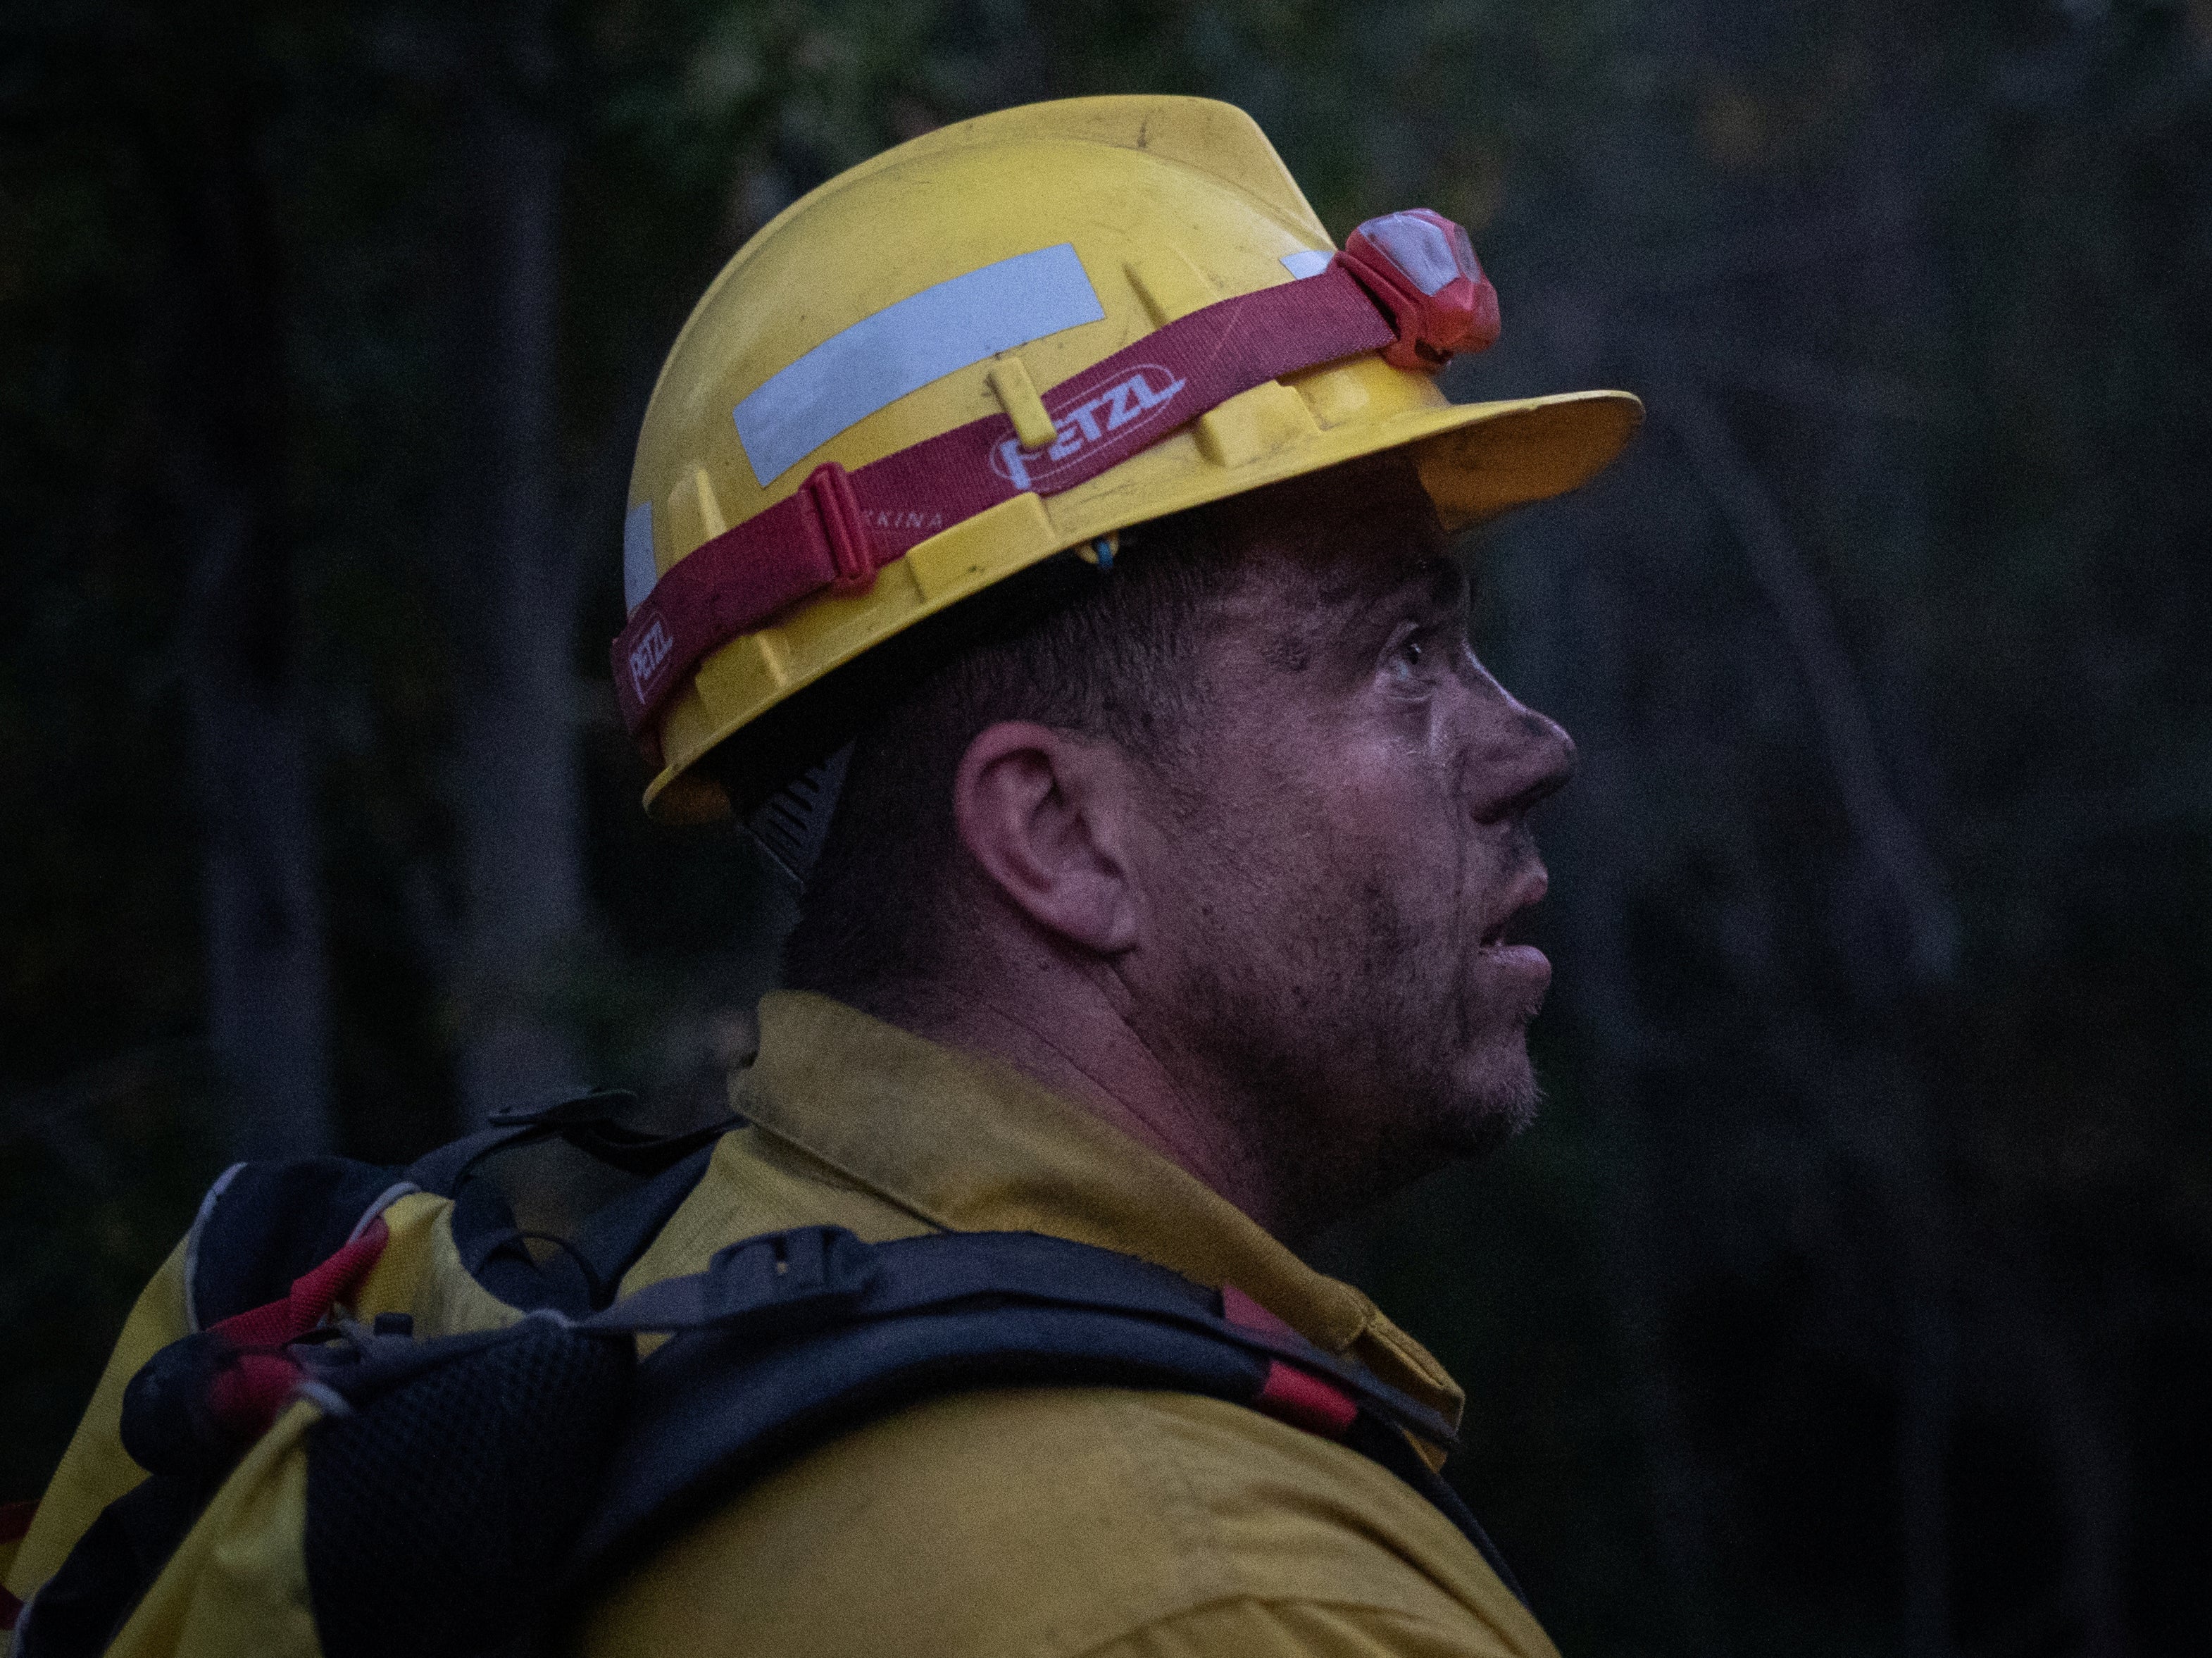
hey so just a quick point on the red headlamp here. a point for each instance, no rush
(1421, 269)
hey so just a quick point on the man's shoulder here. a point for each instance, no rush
(1047, 1521)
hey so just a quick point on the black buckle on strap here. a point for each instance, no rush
(786, 1280)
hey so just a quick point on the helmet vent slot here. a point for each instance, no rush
(794, 822)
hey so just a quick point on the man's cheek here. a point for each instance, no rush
(1377, 797)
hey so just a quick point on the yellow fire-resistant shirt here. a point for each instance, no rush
(1041, 1522)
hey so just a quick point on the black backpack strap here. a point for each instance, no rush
(83, 1606)
(610, 1242)
(443, 1169)
(495, 1252)
(581, 1272)
(791, 1338)
(784, 1340)
(262, 1224)
(592, 1123)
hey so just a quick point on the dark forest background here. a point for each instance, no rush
(1851, 1297)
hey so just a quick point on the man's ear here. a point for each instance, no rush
(1045, 814)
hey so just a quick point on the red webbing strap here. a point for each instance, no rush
(248, 1392)
(1297, 1397)
(309, 1300)
(840, 528)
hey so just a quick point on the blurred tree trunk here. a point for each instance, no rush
(517, 784)
(1902, 1158)
(267, 984)
(1635, 1251)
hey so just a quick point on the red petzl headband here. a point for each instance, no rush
(1406, 285)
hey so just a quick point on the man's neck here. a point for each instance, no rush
(1087, 1053)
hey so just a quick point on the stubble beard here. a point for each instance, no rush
(1359, 1053)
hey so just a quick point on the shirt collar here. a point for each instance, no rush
(966, 1144)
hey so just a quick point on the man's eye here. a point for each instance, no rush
(1407, 655)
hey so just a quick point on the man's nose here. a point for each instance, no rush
(1520, 757)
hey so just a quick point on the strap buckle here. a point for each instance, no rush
(829, 496)
(780, 1280)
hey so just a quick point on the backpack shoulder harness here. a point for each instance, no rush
(501, 1472)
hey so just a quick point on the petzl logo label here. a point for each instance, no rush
(646, 656)
(1136, 400)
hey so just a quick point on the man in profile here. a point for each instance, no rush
(1165, 904)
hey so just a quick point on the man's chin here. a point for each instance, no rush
(1496, 1103)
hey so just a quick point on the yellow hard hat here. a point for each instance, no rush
(1012, 337)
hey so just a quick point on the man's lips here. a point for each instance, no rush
(1527, 892)
(1523, 964)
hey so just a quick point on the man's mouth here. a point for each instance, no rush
(1508, 931)
(1515, 970)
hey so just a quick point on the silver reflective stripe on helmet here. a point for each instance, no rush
(903, 346)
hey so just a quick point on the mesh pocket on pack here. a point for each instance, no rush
(439, 1514)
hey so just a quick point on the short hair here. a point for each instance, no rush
(1117, 661)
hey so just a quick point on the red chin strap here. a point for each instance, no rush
(1406, 285)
